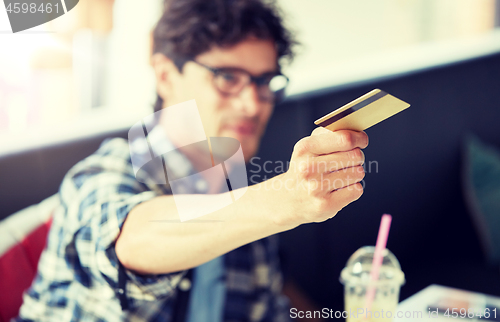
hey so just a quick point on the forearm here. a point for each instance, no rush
(324, 177)
(154, 241)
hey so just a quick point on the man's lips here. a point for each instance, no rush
(243, 128)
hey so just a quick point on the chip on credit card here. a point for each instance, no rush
(363, 112)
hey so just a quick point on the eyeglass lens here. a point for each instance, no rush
(232, 82)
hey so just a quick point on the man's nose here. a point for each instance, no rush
(250, 104)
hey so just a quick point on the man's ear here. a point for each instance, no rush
(165, 72)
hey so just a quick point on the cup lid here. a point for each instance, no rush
(358, 267)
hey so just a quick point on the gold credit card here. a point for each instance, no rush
(363, 112)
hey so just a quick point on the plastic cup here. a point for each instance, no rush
(356, 279)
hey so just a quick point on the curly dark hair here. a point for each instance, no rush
(188, 28)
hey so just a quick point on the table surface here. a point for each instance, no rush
(416, 307)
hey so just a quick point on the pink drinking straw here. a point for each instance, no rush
(383, 234)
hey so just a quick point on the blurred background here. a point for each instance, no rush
(71, 76)
(86, 76)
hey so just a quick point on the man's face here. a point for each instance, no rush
(241, 116)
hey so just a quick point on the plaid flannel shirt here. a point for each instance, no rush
(78, 272)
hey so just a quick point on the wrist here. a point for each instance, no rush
(279, 203)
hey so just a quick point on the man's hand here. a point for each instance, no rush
(324, 175)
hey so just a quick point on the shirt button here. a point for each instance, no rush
(185, 285)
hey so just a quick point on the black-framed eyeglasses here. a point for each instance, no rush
(231, 81)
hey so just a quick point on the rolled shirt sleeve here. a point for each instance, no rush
(100, 194)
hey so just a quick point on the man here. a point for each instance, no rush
(116, 250)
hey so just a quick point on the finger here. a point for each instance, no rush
(338, 141)
(342, 197)
(342, 178)
(339, 160)
(320, 130)
(331, 142)
(326, 183)
(367, 138)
